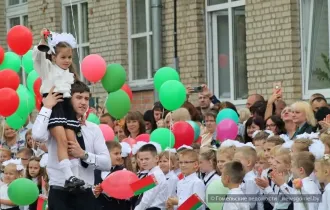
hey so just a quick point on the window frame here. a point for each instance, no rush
(148, 35)
(210, 47)
(13, 11)
(306, 23)
(80, 46)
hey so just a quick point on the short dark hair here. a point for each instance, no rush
(108, 115)
(26, 151)
(149, 148)
(79, 87)
(235, 171)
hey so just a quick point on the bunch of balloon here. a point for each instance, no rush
(227, 128)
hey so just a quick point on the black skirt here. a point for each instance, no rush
(63, 115)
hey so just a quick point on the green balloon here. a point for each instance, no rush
(23, 192)
(31, 78)
(27, 62)
(172, 95)
(93, 118)
(165, 74)
(26, 101)
(114, 77)
(11, 61)
(215, 188)
(118, 104)
(15, 121)
(164, 137)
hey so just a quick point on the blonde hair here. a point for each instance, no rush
(274, 150)
(325, 138)
(275, 140)
(302, 144)
(5, 150)
(325, 162)
(305, 107)
(228, 151)
(262, 135)
(181, 114)
(210, 155)
(260, 154)
(284, 154)
(244, 114)
(248, 152)
(12, 166)
(170, 156)
(193, 155)
(304, 160)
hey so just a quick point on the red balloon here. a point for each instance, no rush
(199, 140)
(9, 101)
(184, 134)
(143, 137)
(2, 54)
(38, 100)
(36, 86)
(9, 79)
(129, 141)
(19, 39)
(117, 184)
(93, 67)
(128, 90)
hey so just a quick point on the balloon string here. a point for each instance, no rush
(3, 131)
(171, 128)
(27, 97)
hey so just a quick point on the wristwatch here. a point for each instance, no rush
(85, 156)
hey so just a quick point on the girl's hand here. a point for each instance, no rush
(97, 190)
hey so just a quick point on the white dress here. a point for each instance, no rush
(4, 196)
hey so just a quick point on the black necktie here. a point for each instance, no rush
(81, 142)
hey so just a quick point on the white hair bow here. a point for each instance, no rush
(137, 146)
(308, 136)
(249, 144)
(44, 161)
(56, 38)
(228, 143)
(255, 133)
(317, 149)
(185, 147)
(38, 152)
(285, 137)
(271, 134)
(288, 144)
(17, 162)
(172, 150)
(125, 149)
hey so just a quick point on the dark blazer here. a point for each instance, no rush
(306, 128)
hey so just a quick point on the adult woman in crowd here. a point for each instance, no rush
(134, 124)
(10, 140)
(276, 125)
(290, 126)
(253, 124)
(210, 125)
(149, 121)
(119, 132)
(303, 117)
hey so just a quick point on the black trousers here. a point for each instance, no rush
(61, 199)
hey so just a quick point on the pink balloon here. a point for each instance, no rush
(227, 129)
(93, 67)
(143, 137)
(117, 184)
(107, 131)
(129, 141)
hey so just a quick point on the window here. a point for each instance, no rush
(75, 21)
(16, 14)
(314, 46)
(226, 49)
(139, 41)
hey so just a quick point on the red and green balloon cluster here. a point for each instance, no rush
(18, 101)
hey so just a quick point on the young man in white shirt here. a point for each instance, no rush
(89, 147)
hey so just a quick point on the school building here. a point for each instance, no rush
(236, 47)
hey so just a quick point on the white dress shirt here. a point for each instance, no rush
(4, 196)
(283, 190)
(177, 171)
(51, 74)
(157, 196)
(188, 186)
(98, 154)
(172, 182)
(209, 177)
(230, 205)
(309, 187)
(325, 204)
(249, 186)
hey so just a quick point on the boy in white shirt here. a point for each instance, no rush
(232, 178)
(248, 156)
(190, 184)
(155, 198)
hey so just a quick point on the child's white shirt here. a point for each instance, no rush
(325, 204)
(284, 190)
(177, 171)
(309, 187)
(314, 178)
(172, 182)
(230, 205)
(4, 196)
(210, 177)
(52, 75)
(188, 186)
(249, 186)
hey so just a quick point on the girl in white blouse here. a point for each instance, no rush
(322, 171)
(57, 74)
(208, 166)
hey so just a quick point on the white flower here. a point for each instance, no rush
(63, 37)
(17, 162)
(44, 160)
(228, 143)
(285, 137)
(317, 149)
(185, 146)
(125, 149)
(288, 144)
(172, 150)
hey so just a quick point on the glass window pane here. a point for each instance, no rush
(139, 16)
(23, 1)
(13, 2)
(140, 60)
(26, 21)
(213, 2)
(223, 55)
(69, 21)
(239, 51)
(320, 46)
(85, 52)
(14, 21)
(84, 21)
(75, 62)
